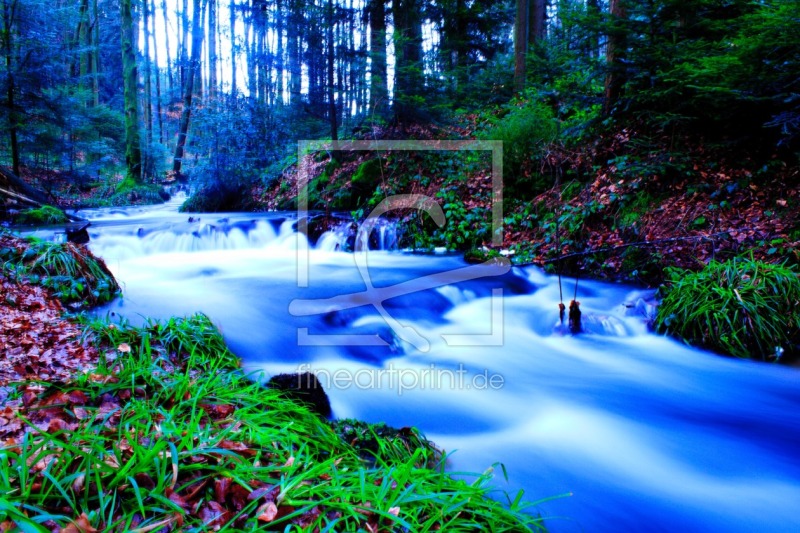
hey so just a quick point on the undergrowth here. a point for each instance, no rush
(742, 307)
(168, 433)
(71, 271)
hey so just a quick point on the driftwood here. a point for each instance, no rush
(20, 197)
(14, 187)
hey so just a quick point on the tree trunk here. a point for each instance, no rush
(332, 119)
(537, 12)
(96, 57)
(234, 50)
(9, 16)
(409, 73)
(85, 47)
(148, 95)
(615, 54)
(279, 59)
(130, 79)
(294, 33)
(167, 31)
(378, 83)
(159, 114)
(520, 45)
(212, 49)
(188, 90)
(183, 43)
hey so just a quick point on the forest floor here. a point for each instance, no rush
(625, 214)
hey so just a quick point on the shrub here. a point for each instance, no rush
(742, 307)
(525, 131)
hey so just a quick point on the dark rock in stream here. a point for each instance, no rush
(304, 388)
(78, 236)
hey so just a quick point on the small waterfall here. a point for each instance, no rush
(382, 235)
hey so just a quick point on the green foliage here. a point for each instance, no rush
(175, 436)
(72, 272)
(741, 307)
(47, 214)
(526, 129)
(128, 193)
(464, 228)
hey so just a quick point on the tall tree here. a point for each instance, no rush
(520, 45)
(332, 114)
(188, 89)
(378, 81)
(212, 48)
(159, 114)
(148, 169)
(95, 64)
(234, 50)
(537, 25)
(130, 80)
(409, 69)
(615, 55)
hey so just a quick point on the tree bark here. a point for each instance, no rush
(148, 169)
(170, 79)
(95, 66)
(188, 90)
(234, 50)
(520, 45)
(85, 47)
(159, 114)
(332, 114)
(212, 49)
(9, 16)
(378, 83)
(537, 29)
(133, 151)
(615, 55)
(409, 73)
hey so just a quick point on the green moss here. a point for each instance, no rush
(47, 214)
(367, 174)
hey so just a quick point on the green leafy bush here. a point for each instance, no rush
(526, 129)
(742, 307)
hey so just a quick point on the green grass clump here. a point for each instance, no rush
(168, 433)
(47, 214)
(71, 271)
(742, 307)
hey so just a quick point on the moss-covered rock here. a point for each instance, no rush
(47, 214)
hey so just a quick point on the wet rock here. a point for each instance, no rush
(78, 236)
(303, 387)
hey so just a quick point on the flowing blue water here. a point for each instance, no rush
(644, 434)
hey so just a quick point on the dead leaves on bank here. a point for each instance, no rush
(35, 342)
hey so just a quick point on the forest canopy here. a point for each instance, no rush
(221, 90)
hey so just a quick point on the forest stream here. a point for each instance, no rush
(632, 428)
